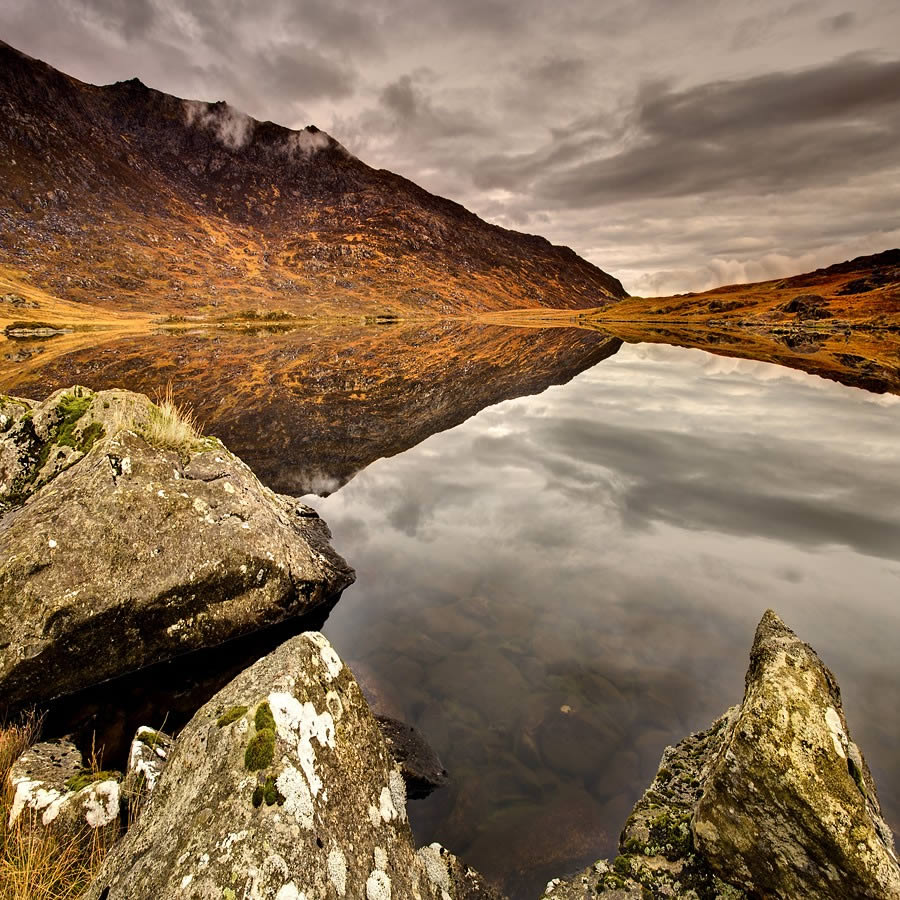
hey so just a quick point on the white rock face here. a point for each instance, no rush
(268, 793)
(147, 757)
(42, 781)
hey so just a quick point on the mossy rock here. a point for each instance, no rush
(230, 715)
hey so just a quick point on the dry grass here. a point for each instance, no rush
(166, 424)
(169, 425)
(34, 864)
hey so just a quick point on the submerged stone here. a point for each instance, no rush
(420, 766)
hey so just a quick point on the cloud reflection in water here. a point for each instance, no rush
(565, 583)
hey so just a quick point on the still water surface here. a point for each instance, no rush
(561, 586)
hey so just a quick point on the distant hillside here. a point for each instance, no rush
(861, 291)
(131, 199)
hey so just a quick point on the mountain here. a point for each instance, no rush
(129, 199)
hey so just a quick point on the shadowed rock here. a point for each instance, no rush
(135, 543)
(773, 800)
(282, 786)
(420, 766)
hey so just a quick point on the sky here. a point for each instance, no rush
(678, 144)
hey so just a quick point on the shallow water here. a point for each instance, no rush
(561, 586)
(555, 587)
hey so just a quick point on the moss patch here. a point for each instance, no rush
(267, 793)
(264, 718)
(87, 777)
(230, 715)
(260, 751)
(150, 738)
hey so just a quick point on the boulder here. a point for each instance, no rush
(773, 800)
(53, 790)
(789, 807)
(807, 306)
(131, 540)
(282, 786)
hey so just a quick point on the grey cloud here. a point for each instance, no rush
(840, 22)
(773, 132)
(303, 73)
(337, 24)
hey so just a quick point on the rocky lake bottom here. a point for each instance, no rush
(563, 584)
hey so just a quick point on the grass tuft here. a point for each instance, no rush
(36, 864)
(165, 425)
(171, 426)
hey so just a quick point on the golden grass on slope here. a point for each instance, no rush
(39, 306)
(34, 864)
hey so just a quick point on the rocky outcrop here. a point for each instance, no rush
(774, 800)
(789, 807)
(54, 791)
(282, 786)
(128, 539)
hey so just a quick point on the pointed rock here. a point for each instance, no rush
(789, 808)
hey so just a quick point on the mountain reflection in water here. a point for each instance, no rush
(554, 588)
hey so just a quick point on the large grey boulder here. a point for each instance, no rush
(789, 807)
(282, 786)
(125, 544)
(773, 800)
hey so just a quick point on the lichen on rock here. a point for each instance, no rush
(297, 826)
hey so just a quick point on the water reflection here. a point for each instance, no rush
(555, 589)
(309, 408)
(563, 585)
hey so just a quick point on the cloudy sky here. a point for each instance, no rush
(679, 144)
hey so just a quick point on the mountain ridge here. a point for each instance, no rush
(104, 187)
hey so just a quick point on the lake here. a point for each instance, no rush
(563, 545)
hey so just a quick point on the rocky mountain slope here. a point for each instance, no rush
(858, 292)
(130, 199)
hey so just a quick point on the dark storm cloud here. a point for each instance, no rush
(771, 132)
